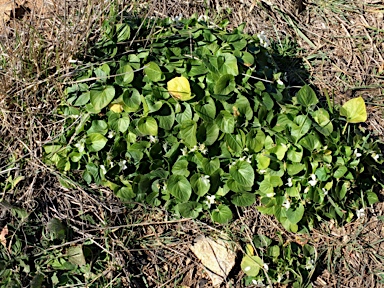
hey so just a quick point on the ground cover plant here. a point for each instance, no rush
(110, 254)
(196, 118)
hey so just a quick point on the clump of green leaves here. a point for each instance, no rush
(288, 263)
(197, 119)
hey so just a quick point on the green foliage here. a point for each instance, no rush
(219, 137)
(289, 264)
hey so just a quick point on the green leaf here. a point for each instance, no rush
(200, 184)
(123, 123)
(230, 65)
(123, 32)
(255, 142)
(98, 126)
(153, 71)
(234, 143)
(179, 187)
(206, 109)
(132, 100)
(295, 215)
(180, 168)
(222, 214)
(189, 209)
(148, 126)
(212, 133)
(127, 77)
(243, 173)
(354, 110)
(96, 142)
(306, 96)
(243, 199)
(251, 265)
(225, 85)
(126, 193)
(310, 142)
(83, 99)
(101, 96)
(225, 121)
(188, 133)
(341, 170)
(372, 197)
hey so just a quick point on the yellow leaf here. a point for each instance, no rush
(179, 88)
(249, 250)
(116, 107)
(354, 110)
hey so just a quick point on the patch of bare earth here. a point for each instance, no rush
(341, 44)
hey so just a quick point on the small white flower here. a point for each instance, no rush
(265, 266)
(249, 159)
(264, 41)
(360, 213)
(279, 278)
(313, 181)
(280, 82)
(206, 180)
(306, 190)
(122, 164)
(270, 195)
(103, 170)
(80, 146)
(375, 156)
(246, 149)
(158, 185)
(153, 139)
(246, 269)
(286, 204)
(111, 164)
(309, 264)
(262, 171)
(254, 282)
(210, 200)
(203, 149)
(325, 191)
(357, 154)
(177, 18)
(289, 183)
(194, 148)
(165, 147)
(242, 158)
(111, 134)
(164, 186)
(203, 18)
(184, 151)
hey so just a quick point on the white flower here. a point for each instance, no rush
(254, 282)
(122, 164)
(289, 184)
(309, 264)
(164, 186)
(203, 18)
(325, 191)
(206, 180)
(194, 148)
(80, 146)
(270, 195)
(279, 82)
(203, 149)
(262, 171)
(111, 134)
(279, 278)
(103, 170)
(177, 18)
(265, 266)
(375, 156)
(210, 200)
(184, 151)
(165, 147)
(357, 154)
(246, 149)
(153, 139)
(306, 190)
(360, 213)
(313, 181)
(264, 41)
(242, 158)
(111, 164)
(246, 269)
(286, 204)
(249, 159)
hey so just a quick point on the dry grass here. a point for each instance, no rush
(341, 44)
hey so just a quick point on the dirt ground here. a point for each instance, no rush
(341, 46)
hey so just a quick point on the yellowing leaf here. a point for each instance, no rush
(4, 233)
(354, 110)
(179, 88)
(116, 107)
(249, 250)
